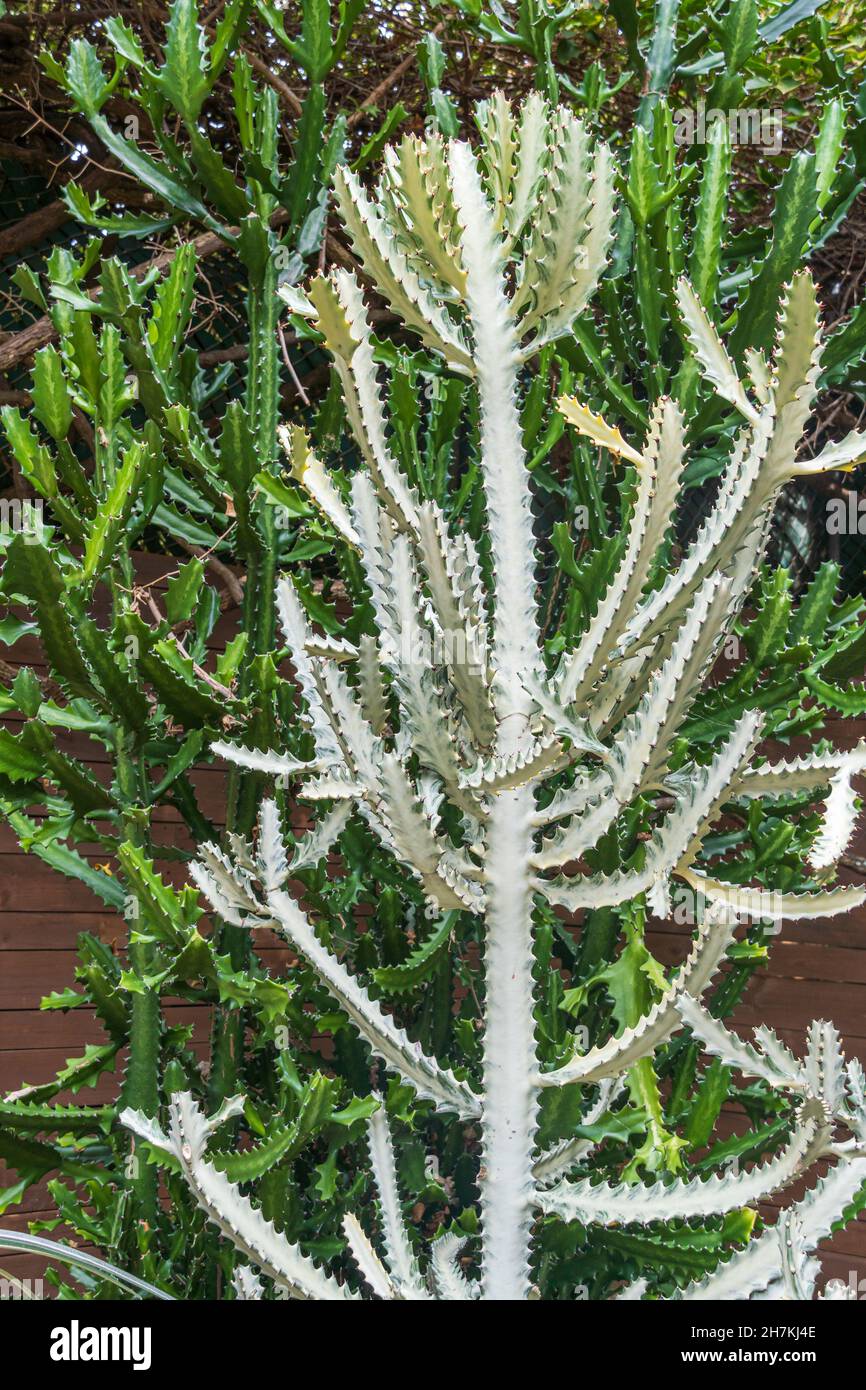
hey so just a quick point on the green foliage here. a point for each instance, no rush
(127, 668)
(134, 672)
(478, 768)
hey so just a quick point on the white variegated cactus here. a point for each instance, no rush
(486, 255)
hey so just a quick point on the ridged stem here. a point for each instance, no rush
(257, 619)
(141, 1082)
(510, 1102)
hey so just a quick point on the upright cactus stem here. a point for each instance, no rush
(490, 776)
(258, 613)
(141, 1083)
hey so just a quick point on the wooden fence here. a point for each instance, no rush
(816, 970)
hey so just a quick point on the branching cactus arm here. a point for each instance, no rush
(623, 1205)
(400, 1257)
(374, 1272)
(449, 1280)
(227, 1207)
(384, 1037)
(759, 1270)
(506, 479)
(615, 1056)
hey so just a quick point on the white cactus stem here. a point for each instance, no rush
(506, 479)
(510, 1103)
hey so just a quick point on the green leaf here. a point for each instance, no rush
(620, 1126)
(81, 354)
(27, 1117)
(125, 40)
(153, 175)
(12, 629)
(739, 33)
(845, 346)
(51, 403)
(318, 610)
(829, 147)
(32, 1160)
(177, 765)
(234, 15)
(751, 1144)
(184, 527)
(769, 32)
(70, 863)
(420, 964)
(377, 142)
(850, 701)
(114, 511)
(281, 1144)
(237, 453)
(686, 1252)
(32, 456)
(32, 572)
(809, 621)
(785, 18)
(217, 179)
(77, 1073)
(446, 113)
(238, 988)
(85, 793)
(166, 913)
(711, 1096)
(765, 637)
(114, 394)
(705, 253)
(62, 999)
(650, 304)
(18, 762)
(83, 77)
(229, 660)
(309, 145)
(27, 281)
(88, 210)
(315, 49)
(99, 972)
(361, 1108)
(122, 697)
(431, 60)
(288, 497)
(643, 189)
(284, 1142)
(255, 248)
(661, 58)
(326, 1182)
(184, 76)
(172, 308)
(27, 692)
(174, 680)
(183, 590)
(795, 208)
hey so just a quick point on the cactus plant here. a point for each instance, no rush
(492, 775)
(124, 373)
